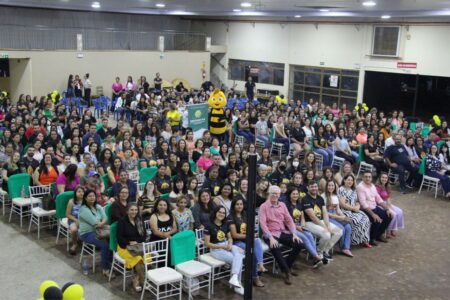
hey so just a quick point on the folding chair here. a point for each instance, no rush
(220, 269)
(155, 255)
(118, 263)
(337, 162)
(61, 202)
(182, 250)
(20, 196)
(365, 167)
(37, 212)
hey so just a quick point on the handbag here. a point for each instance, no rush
(102, 233)
(136, 249)
(48, 203)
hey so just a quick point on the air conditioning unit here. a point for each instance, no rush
(386, 41)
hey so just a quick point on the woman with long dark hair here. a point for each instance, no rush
(47, 172)
(91, 217)
(238, 228)
(162, 223)
(202, 210)
(68, 180)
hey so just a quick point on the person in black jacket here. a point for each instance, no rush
(131, 231)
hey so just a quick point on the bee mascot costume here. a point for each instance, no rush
(217, 121)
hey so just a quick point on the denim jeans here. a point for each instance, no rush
(234, 257)
(106, 254)
(308, 242)
(264, 138)
(346, 238)
(284, 141)
(257, 256)
(327, 155)
(249, 137)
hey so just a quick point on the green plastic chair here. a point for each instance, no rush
(413, 126)
(193, 166)
(108, 212)
(61, 202)
(113, 237)
(18, 190)
(164, 196)
(426, 130)
(439, 144)
(18, 183)
(182, 247)
(146, 174)
(422, 166)
(361, 156)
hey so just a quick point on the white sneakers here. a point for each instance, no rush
(234, 281)
(239, 291)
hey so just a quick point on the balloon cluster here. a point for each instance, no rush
(436, 120)
(4, 94)
(55, 96)
(70, 291)
(363, 106)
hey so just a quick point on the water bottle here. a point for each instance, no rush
(22, 192)
(85, 267)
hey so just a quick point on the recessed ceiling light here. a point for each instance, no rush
(95, 5)
(160, 5)
(297, 16)
(386, 17)
(246, 4)
(324, 10)
(236, 10)
(369, 3)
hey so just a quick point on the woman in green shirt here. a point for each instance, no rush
(91, 217)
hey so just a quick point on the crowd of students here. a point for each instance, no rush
(202, 183)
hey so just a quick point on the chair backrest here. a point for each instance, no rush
(39, 191)
(164, 196)
(200, 241)
(146, 174)
(105, 179)
(61, 202)
(361, 153)
(18, 183)
(440, 143)
(422, 166)
(157, 251)
(108, 212)
(193, 166)
(182, 247)
(271, 134)
(113, 237)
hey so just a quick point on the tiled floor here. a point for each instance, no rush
(416, 265)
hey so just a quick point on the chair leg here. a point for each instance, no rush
(435, 191)
(57, 233)
(21, 216)
(82, 252)
(209, 285)
(10, 212)
(180, 292)
(124, 275)
(93, 260)
(38, 226)
(29, 226)
(112, 267)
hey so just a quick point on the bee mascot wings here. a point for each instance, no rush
(217, 121)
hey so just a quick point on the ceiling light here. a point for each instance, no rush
(236, 10)
(369, 3)
(386, 17)
(95, 5)
(297, 16)
(246, 4)
(324, 10)
(160, 5)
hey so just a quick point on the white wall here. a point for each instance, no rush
(334, 45)
(49, 70)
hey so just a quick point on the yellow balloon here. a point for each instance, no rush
(55, 92)
(45, 285)
(74, 292)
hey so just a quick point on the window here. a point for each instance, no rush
(386, 41)
(262, 72)
(324, 85)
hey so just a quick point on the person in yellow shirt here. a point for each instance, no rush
(173, 117)
(280, 99)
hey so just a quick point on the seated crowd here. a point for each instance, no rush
(202, 183)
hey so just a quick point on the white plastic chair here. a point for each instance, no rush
(118, 263)
(37, 212)
(218, 268)
(431, 183)
(22, 207)
(63, 230)
(319, 162)
(365, 167)
(155, 255)
(337, 162)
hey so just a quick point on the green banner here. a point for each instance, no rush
(198, 118)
